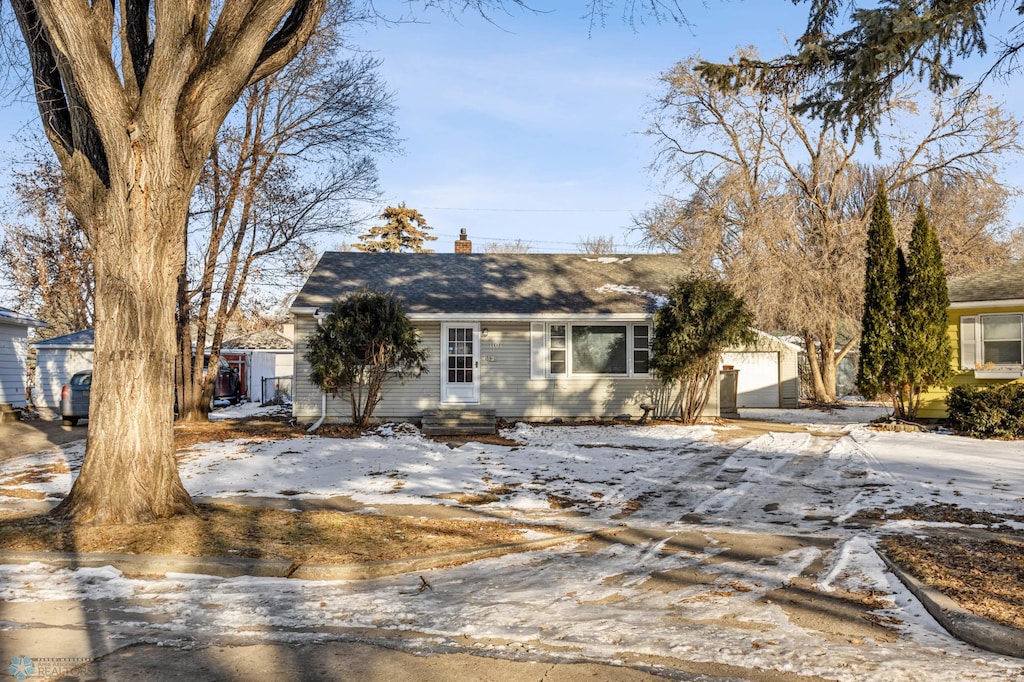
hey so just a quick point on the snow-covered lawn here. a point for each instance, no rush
(691, 491)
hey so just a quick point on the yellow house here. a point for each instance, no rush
(986, 326)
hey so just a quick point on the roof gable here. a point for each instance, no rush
(83, 339)
(512, 284)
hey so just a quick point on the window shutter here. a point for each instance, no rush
(968, 342)
(537, 350)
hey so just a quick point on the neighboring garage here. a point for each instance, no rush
(768, 375)
(56, 360)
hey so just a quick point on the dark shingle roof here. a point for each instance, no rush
(266, 339)
(517, 284)
(998, 284)
(86, 337)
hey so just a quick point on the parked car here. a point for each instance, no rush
(228, 385)
(74, 398)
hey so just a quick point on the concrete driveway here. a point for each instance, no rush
(33, 435)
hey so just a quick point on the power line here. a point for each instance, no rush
(531, 210)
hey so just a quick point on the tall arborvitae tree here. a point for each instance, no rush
(881, 283)
(922, 320)
(404, 229)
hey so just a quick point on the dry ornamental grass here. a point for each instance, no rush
(258, 533)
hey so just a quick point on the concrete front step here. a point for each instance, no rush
(458, 422)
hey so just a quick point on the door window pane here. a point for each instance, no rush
(460, 355)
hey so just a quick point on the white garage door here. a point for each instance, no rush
(758, 378)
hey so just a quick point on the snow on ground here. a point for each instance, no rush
(668, 595)
(845, 412)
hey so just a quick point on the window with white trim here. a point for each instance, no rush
(641, 348)
(1002, 339)
(556, 349)
(605, 349)
(599, 349)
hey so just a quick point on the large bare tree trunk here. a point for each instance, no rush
(131, 95)
(130, 472)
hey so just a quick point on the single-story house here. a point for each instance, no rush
(530, 336)
(14, 329)
(264, 361)
(986, 327)
(56, 360)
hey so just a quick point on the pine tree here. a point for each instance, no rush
(404, 230)
(881, 285)
(922, 320)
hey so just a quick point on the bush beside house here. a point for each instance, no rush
(994, 412)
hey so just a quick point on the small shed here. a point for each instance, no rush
(14, 328)
(263, 357)
(56, 360)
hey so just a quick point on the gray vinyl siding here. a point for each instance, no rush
(54, 367)
(406, 399)
(13, 355)
(402, 399)
(505, 384)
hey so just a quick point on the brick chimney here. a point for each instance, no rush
(462, 244)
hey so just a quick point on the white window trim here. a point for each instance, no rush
(630, 341)
(981, 342)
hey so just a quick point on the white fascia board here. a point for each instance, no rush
(523, 317)
(463, 317)
(1008, 303)
(66, 346)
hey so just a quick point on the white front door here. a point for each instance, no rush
(460, 373)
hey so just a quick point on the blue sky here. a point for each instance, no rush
(528, 127)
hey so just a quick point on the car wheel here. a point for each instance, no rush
(70, 421)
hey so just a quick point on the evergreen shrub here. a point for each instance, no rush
(990, 412)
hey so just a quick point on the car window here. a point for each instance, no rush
(82, 380)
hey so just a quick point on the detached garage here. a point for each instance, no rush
(56, 360)
(767, 374)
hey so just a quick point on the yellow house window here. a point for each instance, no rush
(1001, 339)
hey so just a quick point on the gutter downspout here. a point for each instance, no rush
(323, 414)
(319, 316)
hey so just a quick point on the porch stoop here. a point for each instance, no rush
(458, 421)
